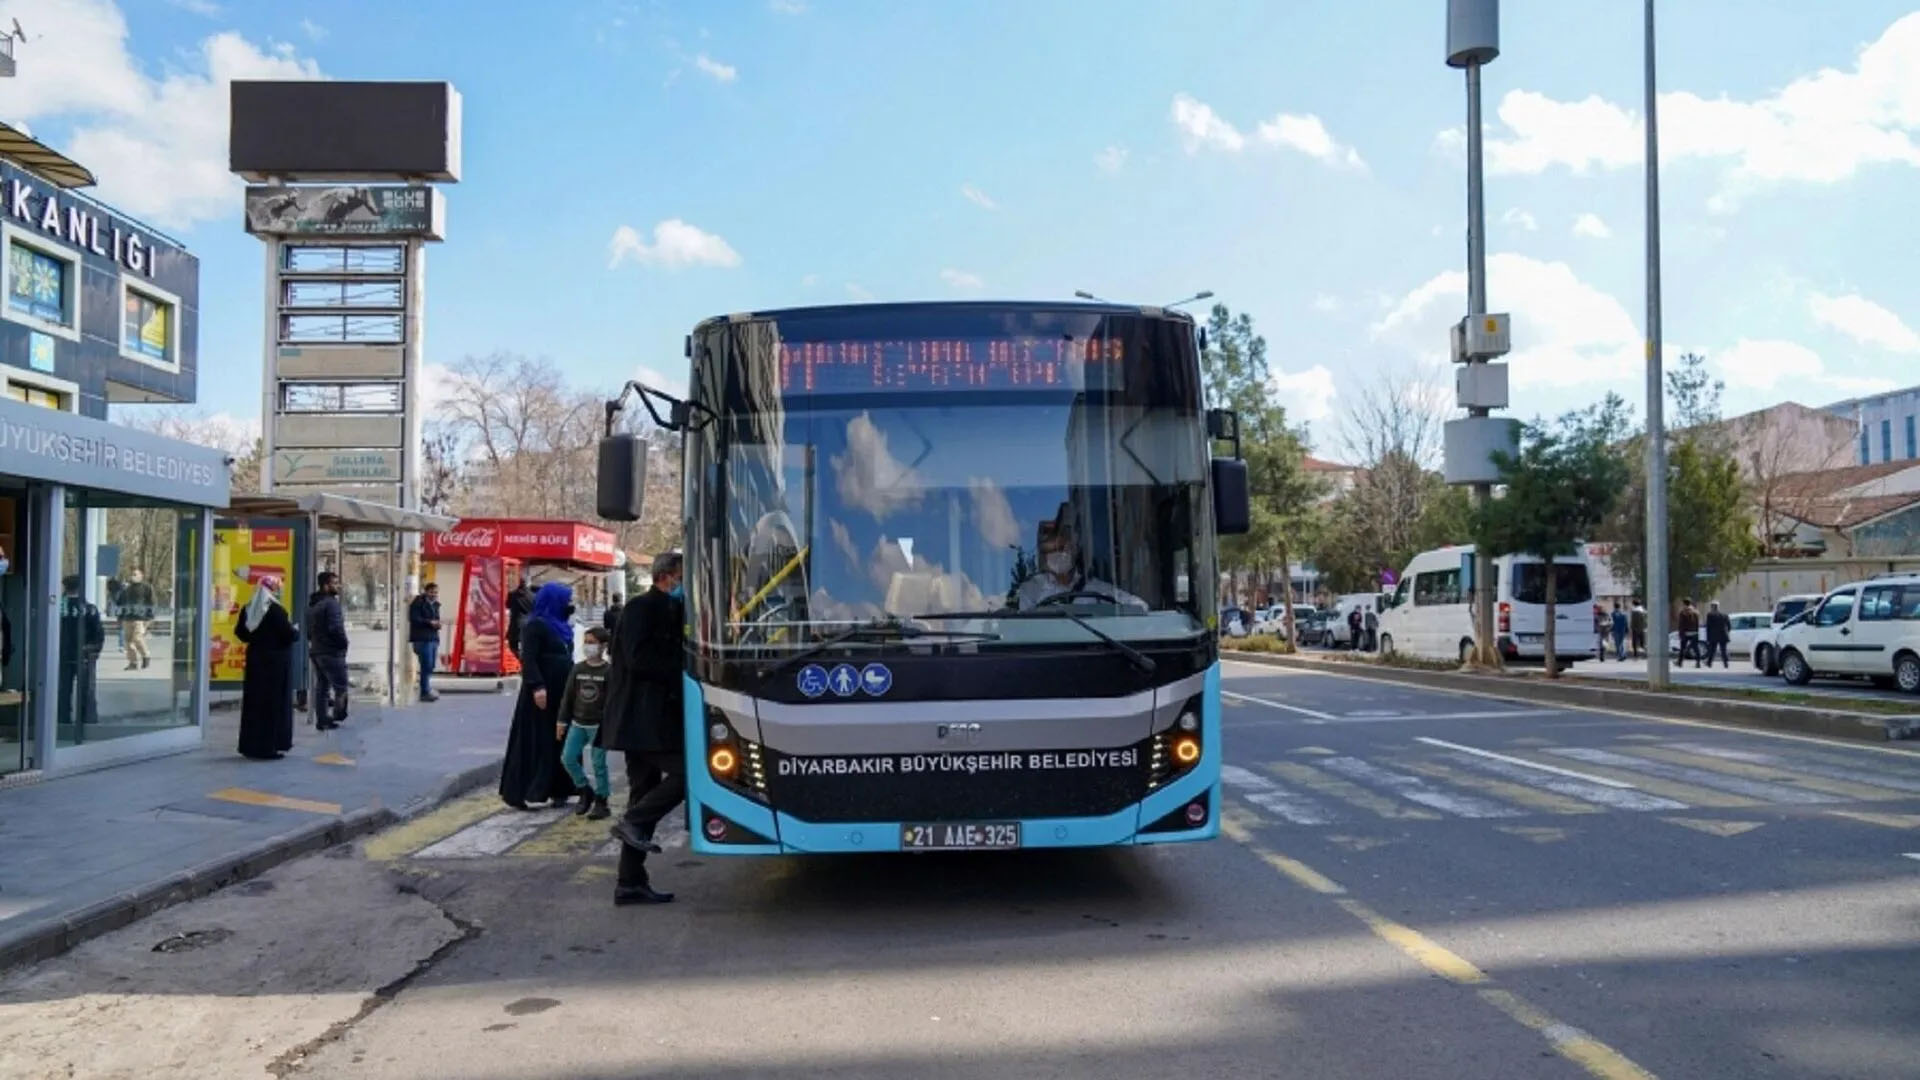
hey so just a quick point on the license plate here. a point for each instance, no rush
(978, 836)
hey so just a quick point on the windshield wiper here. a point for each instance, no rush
(879, 631)
(1141, 661)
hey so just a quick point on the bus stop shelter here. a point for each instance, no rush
(295, 537)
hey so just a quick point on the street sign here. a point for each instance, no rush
(336, 466)
(384, 211)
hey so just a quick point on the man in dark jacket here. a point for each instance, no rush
(82, 636)
(611, 620)
(1689, 626)
(519, 606)
(644, 722)
(423, 633)
(1719, 633)
(327, 648)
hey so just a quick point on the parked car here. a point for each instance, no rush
(1870, 628)
(1430, 616)
(1787, 610)
(1233, 622)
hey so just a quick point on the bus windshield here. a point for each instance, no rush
(1076, 491)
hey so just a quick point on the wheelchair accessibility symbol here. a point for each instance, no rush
(812, 680)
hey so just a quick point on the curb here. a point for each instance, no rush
(1799, 719)
(54, 935)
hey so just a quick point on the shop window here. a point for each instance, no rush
(149, 326)
(370, 329)
(41, 286)
(344, 293)
(329, 397)
(343, 258)
(34, 395)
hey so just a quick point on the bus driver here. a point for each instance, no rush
(1061, 574)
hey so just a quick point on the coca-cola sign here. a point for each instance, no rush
(558, 542)
(478, 540)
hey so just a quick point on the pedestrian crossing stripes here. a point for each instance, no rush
(1464, 782)
(479, 827)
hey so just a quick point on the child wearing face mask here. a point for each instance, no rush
(581, 709)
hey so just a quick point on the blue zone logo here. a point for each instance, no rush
(845, 680)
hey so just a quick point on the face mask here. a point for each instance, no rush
(675, 591)
(3, 565)
(1059, 562)
(593, 651)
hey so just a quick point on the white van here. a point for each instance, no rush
(1338, 634)
(1869, 628)
(1430, 615)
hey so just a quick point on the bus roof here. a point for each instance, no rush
(1067, 306)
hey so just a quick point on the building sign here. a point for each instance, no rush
(530, 541)
(335, 466)
(62, 448)
(344, 211)
(76, 221)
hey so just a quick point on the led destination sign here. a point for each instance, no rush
(910, 364)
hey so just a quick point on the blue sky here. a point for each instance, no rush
(631, 168)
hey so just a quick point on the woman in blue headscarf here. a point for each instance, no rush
(532, 772)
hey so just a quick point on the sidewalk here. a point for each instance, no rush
(84, 854)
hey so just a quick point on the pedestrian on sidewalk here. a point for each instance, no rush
(1719, 633)
(423, 633)
(82, 636)
(1620, 625)
(1638, 621)
(266, 691)
(1372, 622)
(136, 611)
(1689, 625)
(581, 710)
(327, 649)
(519, 606)
(532, 772)
(644, 723)
(611, 620)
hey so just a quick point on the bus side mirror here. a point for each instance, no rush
(621, 485)
(1232, 506)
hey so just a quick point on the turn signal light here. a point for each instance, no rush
(723, 761)
(1186, 750)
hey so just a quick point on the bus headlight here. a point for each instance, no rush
(1186, 751)
(1190, 721)
(723, 762)
(719, 733)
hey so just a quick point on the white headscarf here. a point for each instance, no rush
(263, 594)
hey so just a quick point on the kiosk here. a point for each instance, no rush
(478, 562)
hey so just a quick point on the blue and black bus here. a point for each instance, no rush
(950, 576)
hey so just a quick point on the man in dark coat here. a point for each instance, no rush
(644, 722)
(327, 648)
(519, 606)
(82, 636)
(423, 633)
(1719, 633)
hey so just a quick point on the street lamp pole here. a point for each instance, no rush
(1658, 590)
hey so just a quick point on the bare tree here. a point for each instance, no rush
(1401, 413)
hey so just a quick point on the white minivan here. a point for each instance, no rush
(1430, 615)
(1869, 628)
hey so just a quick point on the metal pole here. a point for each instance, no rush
(1658, 592)
(1477, 305)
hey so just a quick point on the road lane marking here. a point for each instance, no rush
(1890, 821)
(491, 836)
(1274, 799)
(1616, 796)
(1596, 1058)
(1857, 791)
(1539, 834)
(1714, 826)
(335, 758)
(1334, 787)
(1779, 794)
(434, 825)
(1538, 799)
(1413, 789)
(1911, 855)
(1249, 699)
(1555, 769)
(1815, 767)
(250, 797)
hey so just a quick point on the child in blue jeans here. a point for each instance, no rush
(581, 709)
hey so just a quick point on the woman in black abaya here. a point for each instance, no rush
(266, 695)
(532, 772)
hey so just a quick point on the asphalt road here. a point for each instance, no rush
(1414, 884)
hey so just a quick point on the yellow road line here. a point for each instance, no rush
(1545, 802)
(432, 827)
(570, 836)
(249, 797)
(1863, 790)
(1891, 821)
(1333, 787)
(333, 759)
(1596, 1058)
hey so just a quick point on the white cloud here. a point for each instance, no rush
(1112, 159)
(1517, 216)
(675, 244)
(124, 123)
(1767, 364)
(714, 69)
(1309, 136)
(1821, 128)
(1565, 331)
(313, 30)
(1306, 395)
(1204, 127)
(1326, 302)
(1864, 321)
(675, 384)
(198, 7)
(809, 281)
(859, 292)
(787, 7)
(1591, 227)
(978, 198)
(961, 279)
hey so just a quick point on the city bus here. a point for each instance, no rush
(950, 576)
